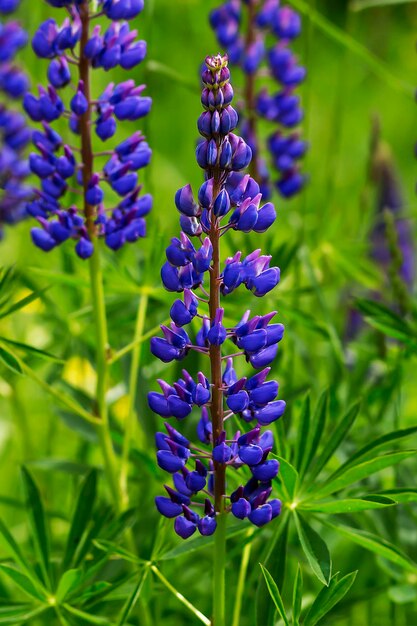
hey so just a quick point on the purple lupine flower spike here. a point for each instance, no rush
(64, 168)
(14, 132)
(227, 200)
(251, 51)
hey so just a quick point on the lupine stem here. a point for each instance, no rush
(133, 379)
(217, 417)
(96, 277)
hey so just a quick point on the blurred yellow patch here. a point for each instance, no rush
(79, 373)
(36, 306)
(121, 408)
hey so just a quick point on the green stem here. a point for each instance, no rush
(103, 430)
(131, 415)
(241, 581)
(219, 572)
(179, 596)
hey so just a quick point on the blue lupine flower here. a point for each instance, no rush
(55, 163)
(14, 132)
(252, 51)
(227, 200)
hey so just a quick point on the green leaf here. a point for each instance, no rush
(349, 505)
(37, 520)
(287, 477)
(318, 426)
(402, 594)
(383, 319)
(275, 594)
(22, 581)
(303, 429)
(112, 548)
(361, 471)
(23, 302)
(132, 600)
(360, 5)
(297, 597)
(375, 544)
(21, 617)
(369, 449)
(328, 598)
(68, 581)
(18, 556)
(81, 517)
(333, 442)
(10, 361)
(315, 549)
(91, 619)
(42, 354)
(400, 495)
(188, 547)
(355, 47)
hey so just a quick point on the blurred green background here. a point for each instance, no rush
(360, 64)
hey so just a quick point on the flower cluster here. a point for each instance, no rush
(14, 133)
(68, 171)
(252, 52)
(227, 200)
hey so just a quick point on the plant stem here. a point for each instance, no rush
(133, 379)
(96, 277)
(217, 418)
(241, 581)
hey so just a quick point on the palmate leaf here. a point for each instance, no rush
(303, 430)
(37, 521)
(287, 478)
(328, 598)
(360, 472)
(375, 544)
(400, 495)
(69, 581)
(22, 616)
(18, 556)
(275, 594)
(315, 549)
(88, 617)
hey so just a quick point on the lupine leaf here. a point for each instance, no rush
(361, 471)
(10, 361)
(318, 426)
(22, 617)
(17, 554)
(91, 619)
(23, 582)
(275, 594)
(287, 476)
(334, 440)
(297, 597)
(303, 429)
(349, 505)
(69, 580)
(383, 319)
(315, 549)
(360, 5)
(113, 548)
(21, 304)
(370, 448)
(328, 598)
(42, 354)
(132, 600)
(36, 512)
(400, 495)
(376, 544)
(81, 517)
